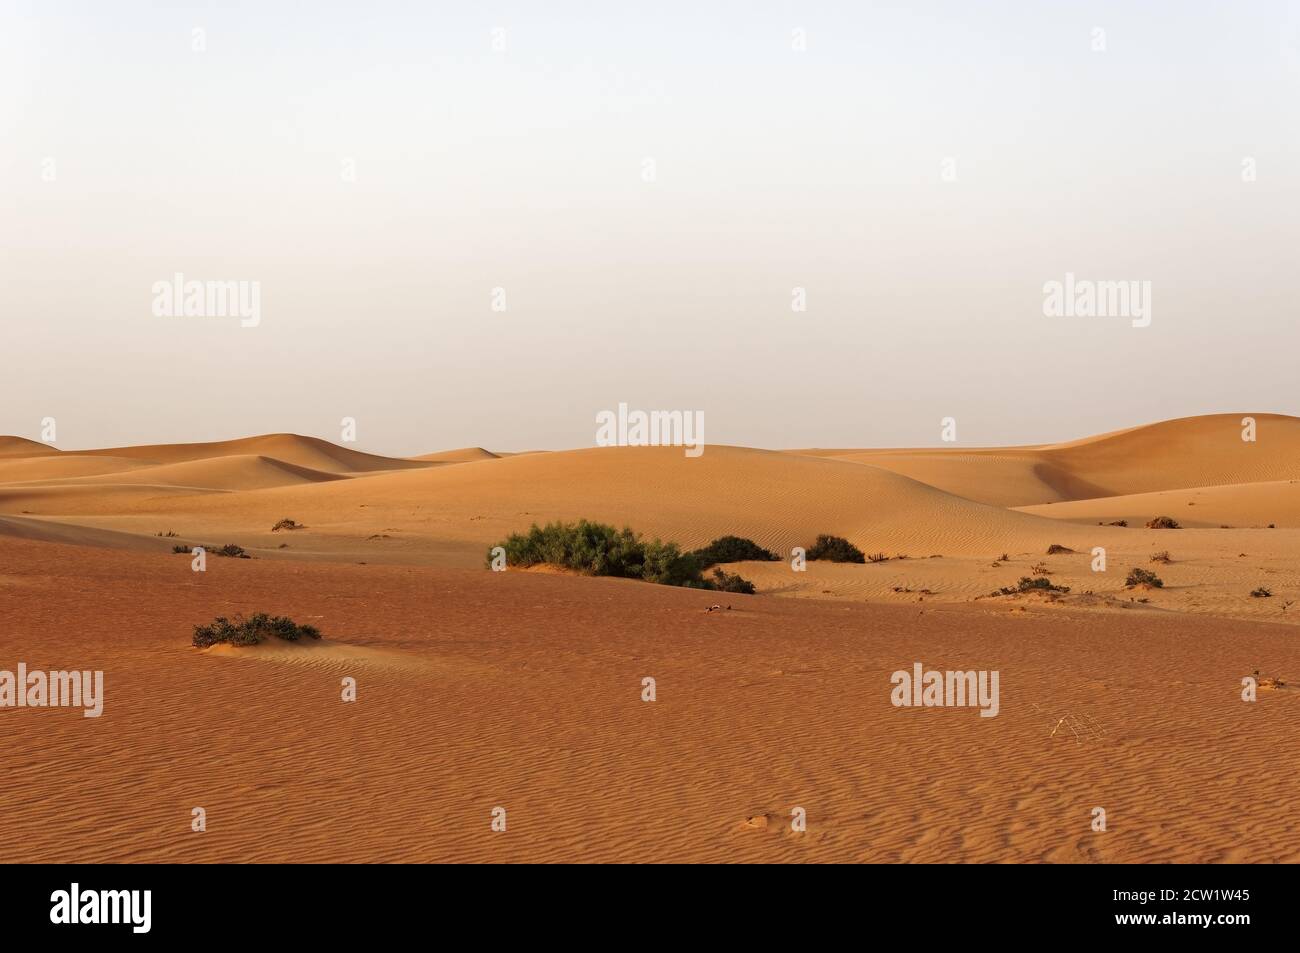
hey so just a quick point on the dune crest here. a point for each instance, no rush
(463, 455)
(310, 452)
(1172, 454)
(22, 447)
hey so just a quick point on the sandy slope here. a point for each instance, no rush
(62, 466)
(1005, 477)
(449, 510)
(1235, 505)
(310, 452)
(50, 531)
(778, 499)
(478, 689)
(463, 455)
(22, 447)
(234, 472)
(1189, 452)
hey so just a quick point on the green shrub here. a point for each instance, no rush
(1143, 577)
(596, 549)
(1030, 584)
(1163, 522)
(724, 581)
(256, 628)
(666, 564)
(733, 549)
(230, 550)
(591, 548)
(836, 549)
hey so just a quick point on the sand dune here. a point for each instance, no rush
(51, 531)
(22, 447)
(309, 452)
(236, 472)
(90, 500)
(442, 513)
(1256, 505)
(778, 499)
(463, 455)
(999, 478)
(1192, 451)
(63, 466)
(1189, 452)
(522, 689)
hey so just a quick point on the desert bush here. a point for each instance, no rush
(1162, 557)
(229, 550)
(286, 524)
(1040, 569)
(596, 549)
(591, 548)
(1263, 592)
(256, 628)
(1163, 522)
(170, 534)
(836, 549)
(1057, 548)
(667, 565)
(878, 558)
(1143, 577)
(732, 549)
(1118, 523)
(1031, 584)
(723, 581)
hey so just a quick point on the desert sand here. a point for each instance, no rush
(522, 690)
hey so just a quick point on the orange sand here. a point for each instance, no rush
(523, 690)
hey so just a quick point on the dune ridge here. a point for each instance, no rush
(312, 453)
(1171, 454)
(480, 689)
(22, 447)
(959, 504)
(462, 455)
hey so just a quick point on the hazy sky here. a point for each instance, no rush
(522, 169)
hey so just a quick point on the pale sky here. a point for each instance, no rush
(126, 156)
